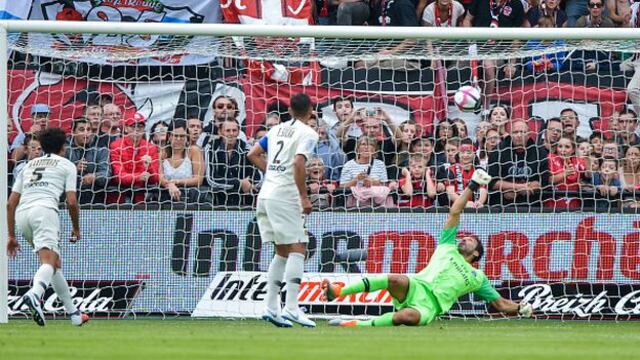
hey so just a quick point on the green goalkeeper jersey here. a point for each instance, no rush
(450, 276)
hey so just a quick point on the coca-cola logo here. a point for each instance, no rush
(98, 298)
(579, 300)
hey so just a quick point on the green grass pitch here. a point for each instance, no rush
(220, 339)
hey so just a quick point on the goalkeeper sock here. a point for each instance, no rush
(61, 288)
(41, 280)
(366, 285)
(293, 278)
(382, 320)
(274, 282)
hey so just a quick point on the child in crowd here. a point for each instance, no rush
(460, 174)
(417, 187)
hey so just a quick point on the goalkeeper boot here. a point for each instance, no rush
(329, 290)
(298, 317)
(34, 308)
(78, 318)
(276, 319)
(343, 323)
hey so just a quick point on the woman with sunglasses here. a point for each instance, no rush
(596, 18)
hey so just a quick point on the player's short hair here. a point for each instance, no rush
(300, 104)
(52, 140)
(479, 247)
(78, 121)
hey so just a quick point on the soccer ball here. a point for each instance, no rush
(467, 98)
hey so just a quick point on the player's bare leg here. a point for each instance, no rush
(396, 285)
(41, 281)
(293, 277)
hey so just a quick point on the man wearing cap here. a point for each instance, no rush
(134, 160)
(39, 121)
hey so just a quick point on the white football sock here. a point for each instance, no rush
(293, 277)
(274, 282)
(41, 280)
(61, 287)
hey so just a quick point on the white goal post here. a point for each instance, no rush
(579, 35)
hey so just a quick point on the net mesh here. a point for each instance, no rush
(167, 236)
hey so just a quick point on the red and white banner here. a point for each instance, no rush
(164, 11)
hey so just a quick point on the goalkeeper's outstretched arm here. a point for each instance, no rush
(512, 308)
(479, 178)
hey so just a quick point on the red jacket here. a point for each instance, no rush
(127, 164)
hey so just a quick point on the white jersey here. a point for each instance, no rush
(285, 141)
(43, 180)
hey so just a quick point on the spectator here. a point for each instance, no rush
(93, 113)
(595, 18)
(408, 132)
(351, 12)
(445, 131)
(365, 176)
(343, 109)
(597, 141)
(182, 165)
(33, 150)
(567, 174)
(552, 133)
(159, 135)
(630, 170)
(224, 108)
(461, 127)
(194, 127)
(319, 188)
(548, 62)
(110, 126)
(424, 146)
(134, 161)
(611, 148)
(481, 131)
(272, 119)
(260, 132)
(228, 171)
(606, 182)
(575, 9)
(499, 116)
(494, 14)
(417, 187)
(548, 9)
(39, 121)
(91, 161)
(619, 12)
(443, 13)
(451, 150)
(519, 171)
(350, 130)
(585, 152)
(460, 175)
(328, 150)
(490, 143)
(629, 123)
(570, 124)
(378, 126)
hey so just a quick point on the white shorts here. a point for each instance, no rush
(281, 222)
(40, 226)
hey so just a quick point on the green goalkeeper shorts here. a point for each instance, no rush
(420, 298)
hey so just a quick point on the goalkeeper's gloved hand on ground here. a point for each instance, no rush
(525, 310)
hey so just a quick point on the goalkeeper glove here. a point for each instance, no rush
(525, 310)
(479, 178)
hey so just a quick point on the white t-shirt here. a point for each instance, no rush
(351, 169)
(285, 141)
(43, 180)
(429, 15)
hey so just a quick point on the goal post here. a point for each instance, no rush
(203, 256)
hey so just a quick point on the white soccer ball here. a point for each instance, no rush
(467, 98)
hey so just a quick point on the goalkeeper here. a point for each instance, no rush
(420, 298)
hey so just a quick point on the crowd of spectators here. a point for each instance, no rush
(364, 160)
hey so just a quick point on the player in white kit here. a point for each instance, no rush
(33, 207)
(282, 205)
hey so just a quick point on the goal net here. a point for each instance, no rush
(160, 125)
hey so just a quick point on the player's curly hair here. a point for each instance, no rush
(52, 140)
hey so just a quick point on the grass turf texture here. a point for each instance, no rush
(219, 339)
